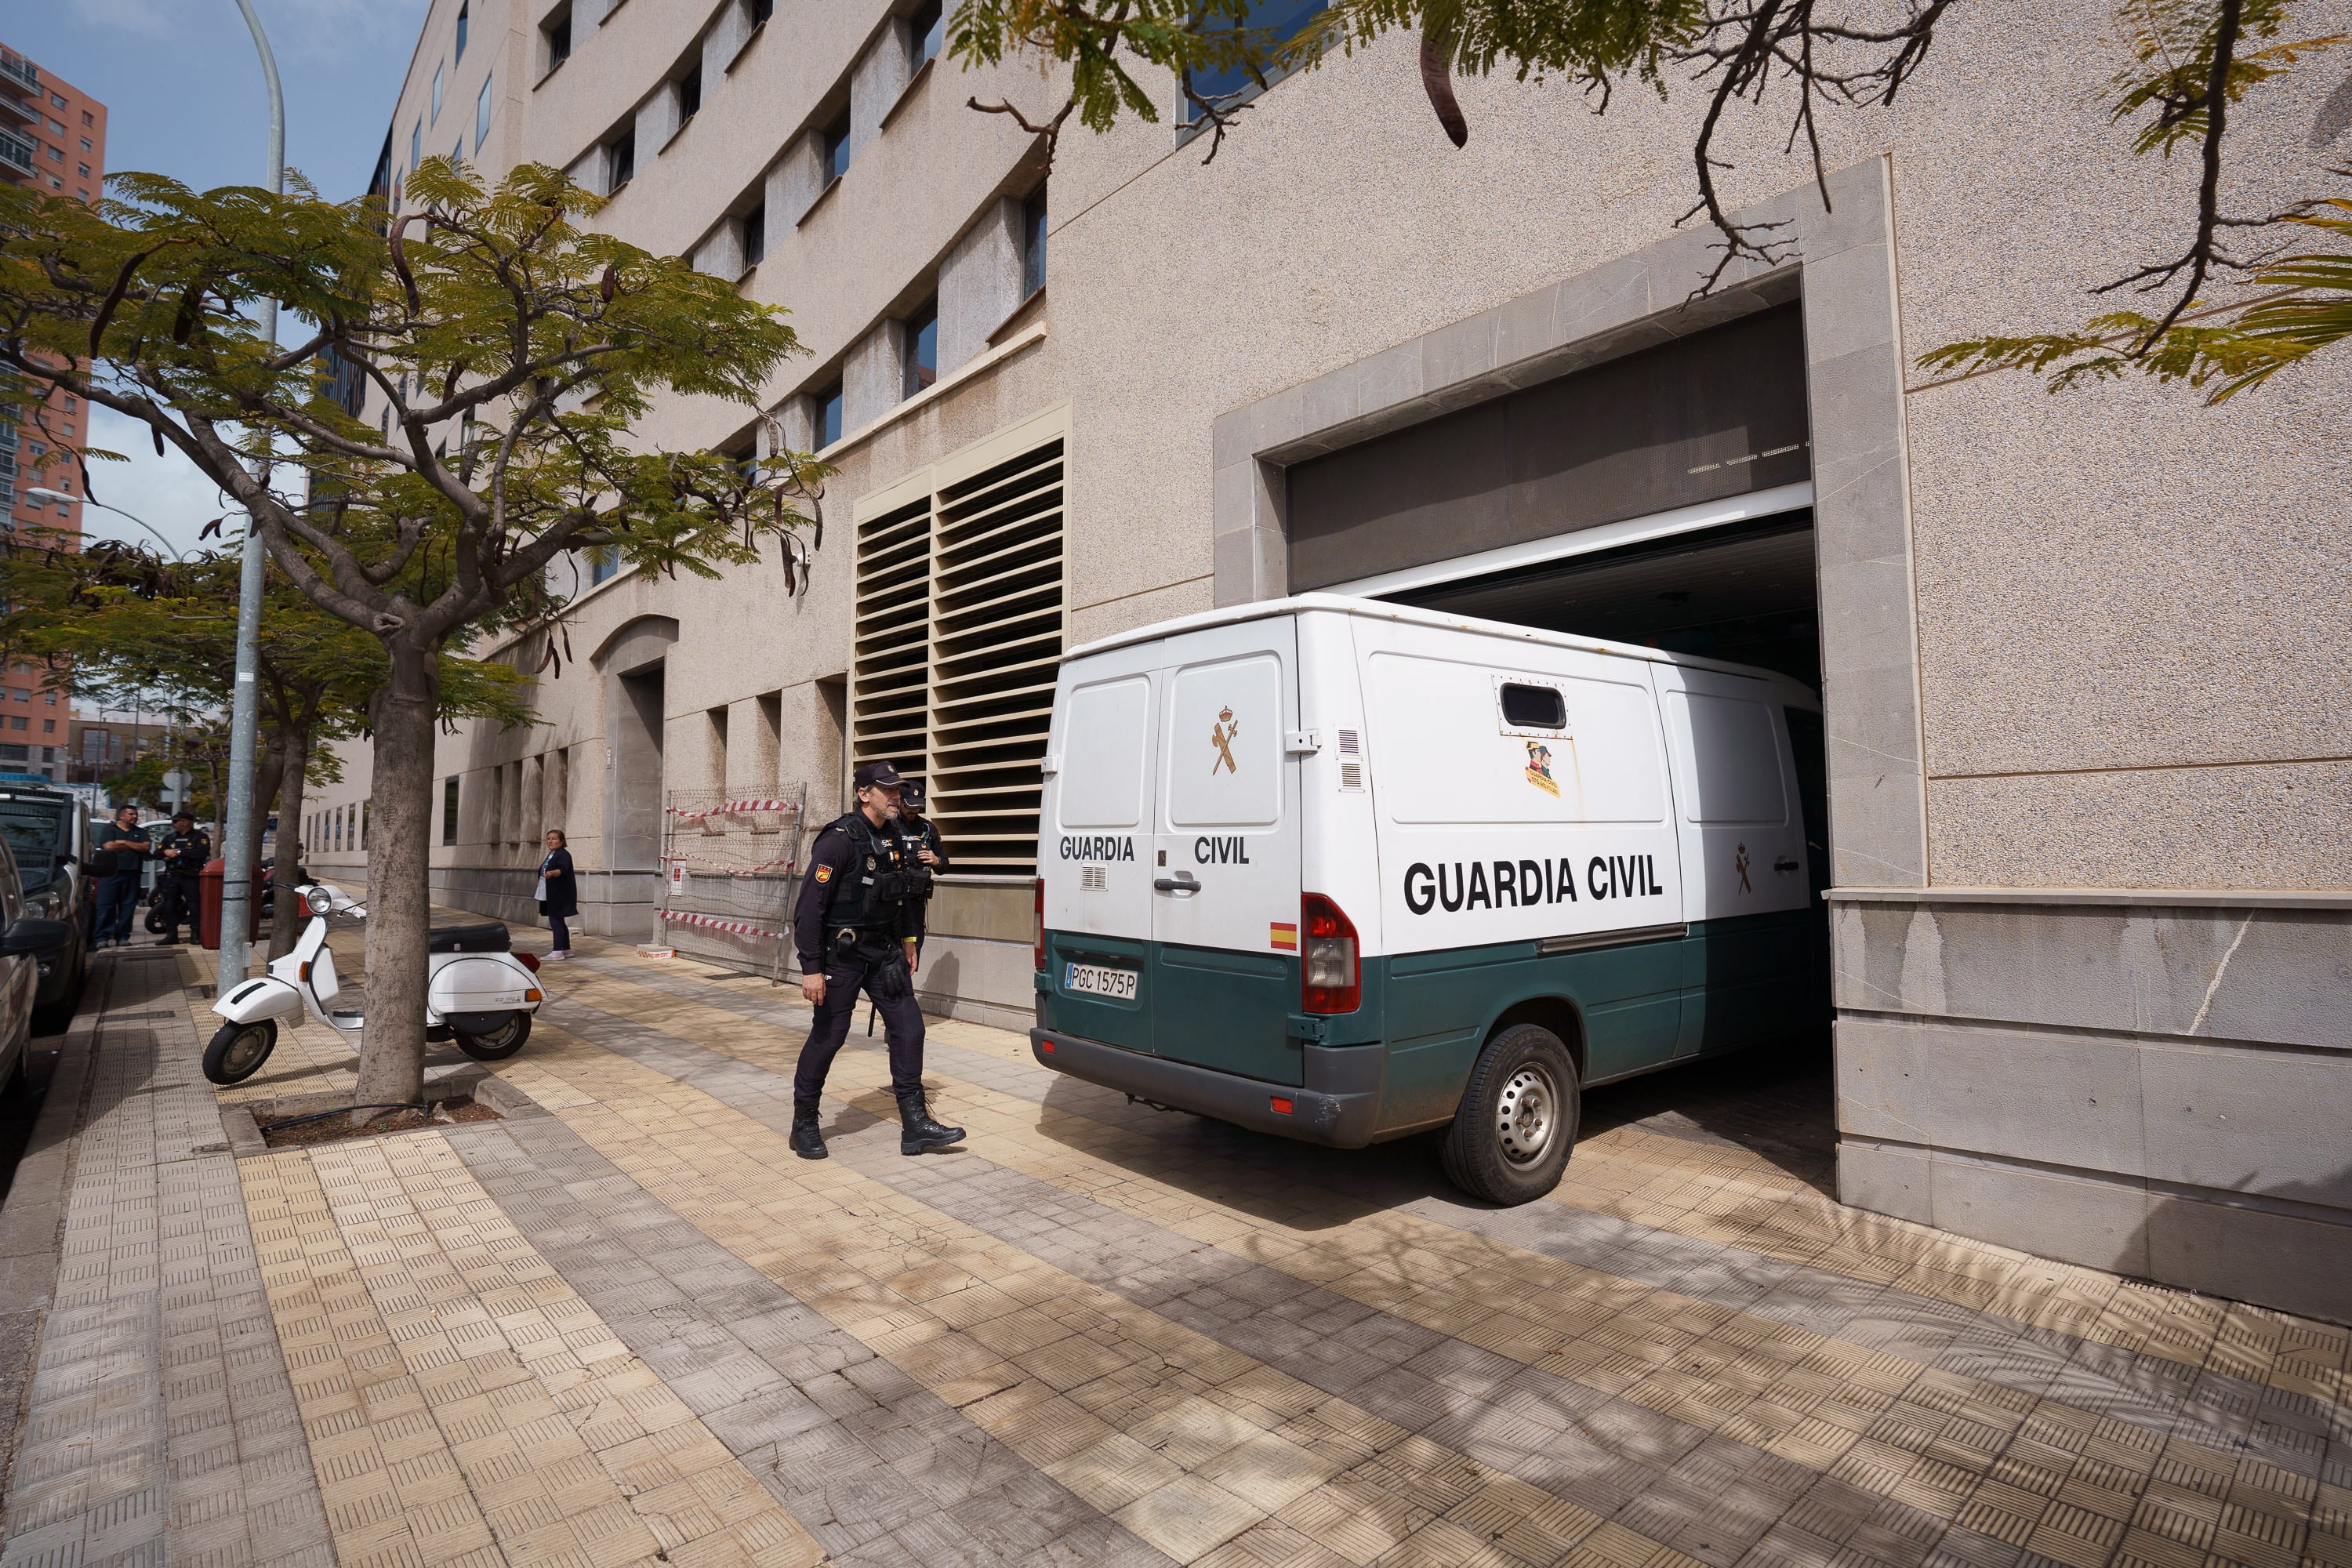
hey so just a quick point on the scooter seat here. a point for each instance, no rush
(491, 936)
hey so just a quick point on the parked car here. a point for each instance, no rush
(49, 832)
(29, 944)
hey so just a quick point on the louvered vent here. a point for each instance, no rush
(892, 655)
(1352, 765)
(996, 638)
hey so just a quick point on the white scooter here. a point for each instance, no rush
(478, 995)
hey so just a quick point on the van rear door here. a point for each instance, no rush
(1096, 848)
(1750, 961)
(1224, 902)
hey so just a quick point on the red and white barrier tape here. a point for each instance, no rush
(712, 922)
(732, 808)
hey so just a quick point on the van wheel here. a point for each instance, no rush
(1512, 1132)
(499, 1043)
(237, 1050)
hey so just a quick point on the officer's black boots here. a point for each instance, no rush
(807, 1141)
(916, 1131)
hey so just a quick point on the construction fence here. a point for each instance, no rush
(731, 869)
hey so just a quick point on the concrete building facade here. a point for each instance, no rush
(2087, 741)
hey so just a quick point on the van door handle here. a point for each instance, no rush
(1182, 882)
(1784, 864)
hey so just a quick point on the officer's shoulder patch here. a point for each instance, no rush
(824, 873)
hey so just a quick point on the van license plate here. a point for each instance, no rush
(1093, 980)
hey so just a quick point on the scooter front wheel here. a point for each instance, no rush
(237, 1050)
(499, 1043)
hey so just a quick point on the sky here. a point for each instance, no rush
(185, 97)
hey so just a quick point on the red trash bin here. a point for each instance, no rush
(208, 901)
(208, 904)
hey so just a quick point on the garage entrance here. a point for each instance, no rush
(1662, 499)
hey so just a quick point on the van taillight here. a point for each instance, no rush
(1329, 979)
(1039, 953)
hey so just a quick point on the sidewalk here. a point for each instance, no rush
(625, 1325)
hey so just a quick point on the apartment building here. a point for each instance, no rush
(2085, 704)
(52, 137)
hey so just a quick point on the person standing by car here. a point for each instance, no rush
(185, 854)
(122, 853)
(559, 895)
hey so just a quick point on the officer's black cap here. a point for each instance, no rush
(183, 816)
(881, 774)
(911, 793)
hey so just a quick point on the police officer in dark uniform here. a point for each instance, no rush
(183, 854)
(851, 928)
(919, 837)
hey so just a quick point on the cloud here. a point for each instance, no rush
(330, 32)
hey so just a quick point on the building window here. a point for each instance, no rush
(922, 348)
(450, 809)
(363, 816)
(603, 564)
(1274, 21)
(621, 160)
(18, 721)
(84, 169)
(482, 113)
(964, 591)
(929, 27)
(1032, 243)
(761, 10)
(86, 146)
(835, 144)
(416, 142)
(557, 34)
(461, 31)
(436, 93)
(755, 235)
(689, 93)
(828, 416)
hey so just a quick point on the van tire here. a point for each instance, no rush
(1524, 1072)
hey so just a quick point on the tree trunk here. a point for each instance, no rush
(286, 921)
(392, 1047)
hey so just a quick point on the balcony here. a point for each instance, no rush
(19, 73)
(16, 155)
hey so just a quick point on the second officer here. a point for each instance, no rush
(185, 854)
(851, 927)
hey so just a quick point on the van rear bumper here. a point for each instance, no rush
(1335, 1107)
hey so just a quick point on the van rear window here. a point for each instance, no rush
(1534, 707)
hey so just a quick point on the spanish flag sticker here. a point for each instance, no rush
(824, 873)
(1283, 935)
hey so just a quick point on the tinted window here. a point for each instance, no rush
(922, 350)
(828, 416)
(1534, 708)
(36, 830)
(1271, 22)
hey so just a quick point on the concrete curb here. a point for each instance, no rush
(32, 1222)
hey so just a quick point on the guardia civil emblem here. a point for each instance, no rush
(1539, 768)
(1221, 735)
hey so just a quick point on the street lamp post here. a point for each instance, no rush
(44, 493)
(237, 838)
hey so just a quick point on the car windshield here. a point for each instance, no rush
(36, 830)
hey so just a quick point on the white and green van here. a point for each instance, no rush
(1347, 871)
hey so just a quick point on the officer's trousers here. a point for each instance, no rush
(175, 904)
(884, 978)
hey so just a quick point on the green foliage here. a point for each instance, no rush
(125, 627)
(2174, 44)
(517, 350)
(2308, 308)
(1597, 41)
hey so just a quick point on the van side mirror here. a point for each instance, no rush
(33, 934)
